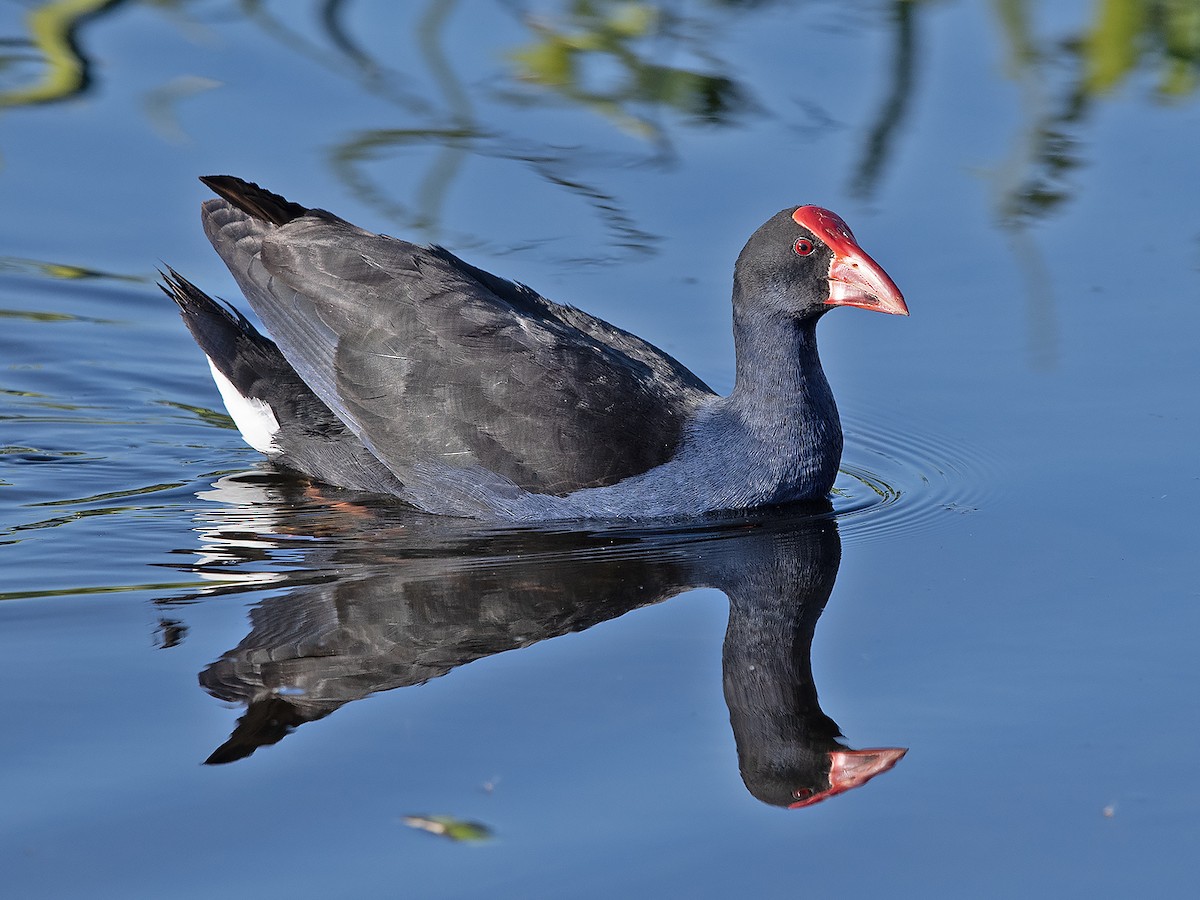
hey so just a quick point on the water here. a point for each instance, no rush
(1014, 603)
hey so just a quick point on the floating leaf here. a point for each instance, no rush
(450, 827)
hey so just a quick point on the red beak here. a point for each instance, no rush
(857, 280)
(852, 768)
(854, 278)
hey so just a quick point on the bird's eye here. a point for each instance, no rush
(803, 246)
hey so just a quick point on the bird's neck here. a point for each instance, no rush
(781, 404)
(776, 593)
(779, 376)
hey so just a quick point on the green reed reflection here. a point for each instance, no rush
(648, 68)
(52, 46)
(1123, 33)
(624, 38)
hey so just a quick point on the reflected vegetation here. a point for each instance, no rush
(61, 271)
(603, 56)
(1060, 79)
(607, 57)
(889, 120)
(1124, 32)
(562, 63)
(161, 105)
(374, 599)
(49, 63)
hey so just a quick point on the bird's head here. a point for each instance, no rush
(804, 260)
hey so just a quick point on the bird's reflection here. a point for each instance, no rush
(381, 599)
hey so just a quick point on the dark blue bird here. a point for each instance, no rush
(403, 370)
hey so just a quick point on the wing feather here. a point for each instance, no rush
(434, 363)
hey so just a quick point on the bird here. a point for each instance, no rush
(402, 370)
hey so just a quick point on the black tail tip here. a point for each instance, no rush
(179, 289)
(254, 200)
(195, 305)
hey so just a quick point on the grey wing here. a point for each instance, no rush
(436, 364)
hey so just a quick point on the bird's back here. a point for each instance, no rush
(439, 367)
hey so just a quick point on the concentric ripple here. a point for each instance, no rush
(905, 479)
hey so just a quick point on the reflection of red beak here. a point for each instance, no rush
(851, 768)
(854, 278)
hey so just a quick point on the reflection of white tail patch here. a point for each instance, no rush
(253, 417)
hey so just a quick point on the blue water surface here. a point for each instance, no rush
(1005, 589)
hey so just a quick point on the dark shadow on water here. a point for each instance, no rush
(383, 599)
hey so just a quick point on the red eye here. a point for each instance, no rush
(803, 246)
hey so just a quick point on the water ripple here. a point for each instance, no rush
(906, 478)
